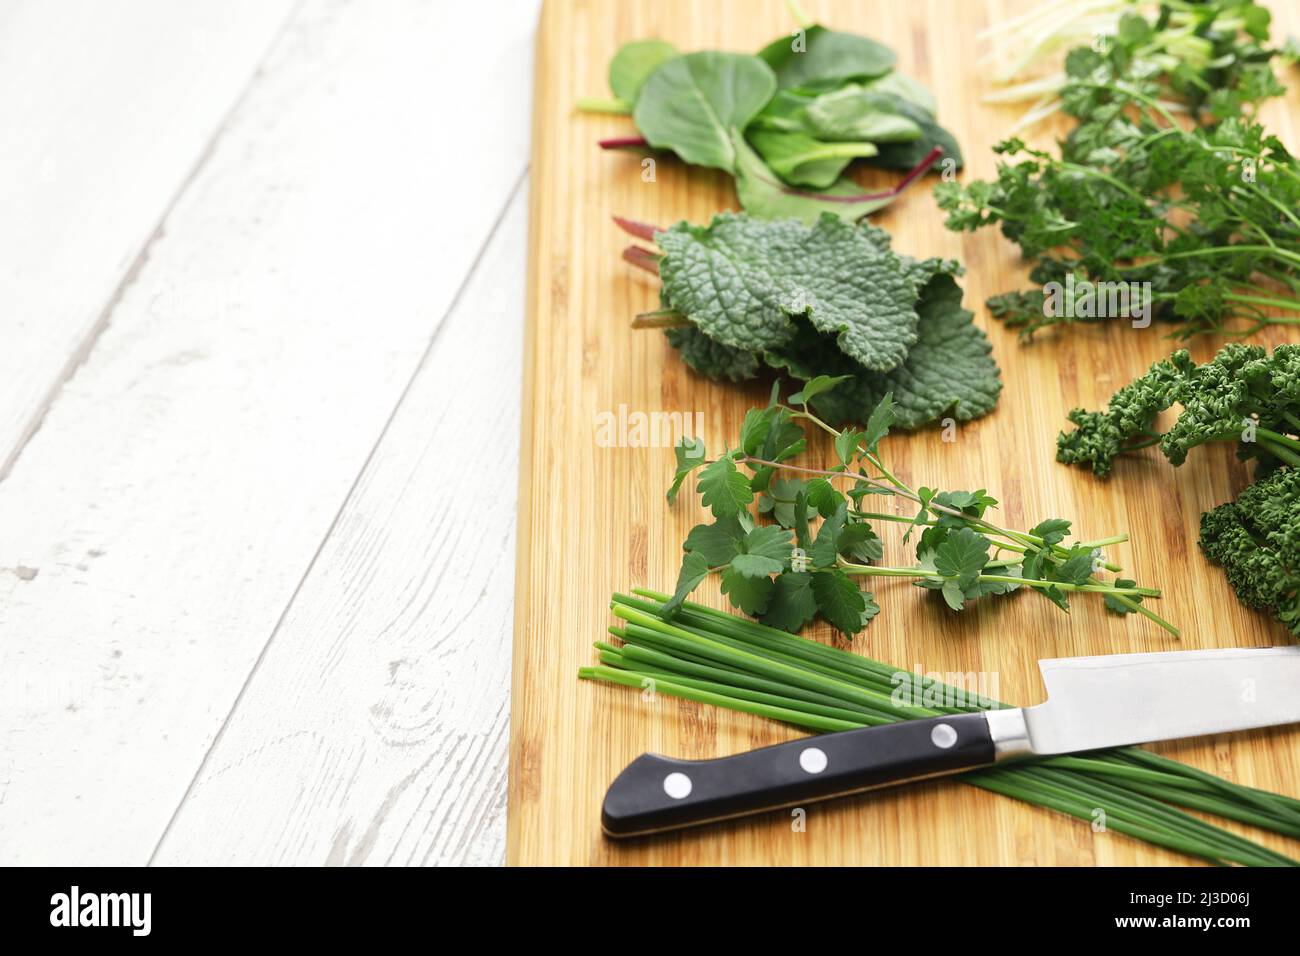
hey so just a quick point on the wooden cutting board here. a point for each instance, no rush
(594, 520)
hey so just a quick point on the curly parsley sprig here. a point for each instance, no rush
(1204, 215)
(1244, 395)
(786, 571)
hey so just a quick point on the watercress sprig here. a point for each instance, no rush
(786, 571)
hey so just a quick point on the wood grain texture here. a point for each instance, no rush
(594, 520)
(374, 730)
(186, 476)
(108, 109)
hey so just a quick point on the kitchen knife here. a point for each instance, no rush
(1092, 703)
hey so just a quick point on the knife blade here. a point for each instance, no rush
(1092, 703)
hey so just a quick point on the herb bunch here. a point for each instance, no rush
(741, 295)
(1245, 396)
(785, 122)
(786, 572)
(1199, 46)
(1256, 540)
(1207, 213)
(706, 655)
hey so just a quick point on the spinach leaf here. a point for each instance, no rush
(764, 196)
(818, 56)
(906, 88)
(905, 155)
(803, 161)
(633, 64)
(692, 104)
(854, 113)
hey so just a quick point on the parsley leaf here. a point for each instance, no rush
(792, 604)
(724, 489)
(839, 600)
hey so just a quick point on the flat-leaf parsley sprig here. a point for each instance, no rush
(805, 560)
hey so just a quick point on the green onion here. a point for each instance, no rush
(713, 657)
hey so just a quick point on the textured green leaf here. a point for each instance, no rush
(754, 429)
(1115, 606)
(846, 445)
(717, 361)
(859, 543)
(1052, 531)
(742, 281)
(780, 501)
(692, 104)
(879, 421)
(815, 386)
(948, 371)
(1077, 568)
(953, 594)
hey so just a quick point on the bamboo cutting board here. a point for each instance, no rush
(594, 520)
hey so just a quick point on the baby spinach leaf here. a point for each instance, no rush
(633, 64)
(854, 113)
(906, 88)
(691, 104)
(803, 161)
(905, 155)
(764, 196)
(818, 56)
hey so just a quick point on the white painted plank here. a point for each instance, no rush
(106, 110)
(188, 472)
(375, 728)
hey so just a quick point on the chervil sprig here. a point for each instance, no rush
(1244, 395)
(805, 561)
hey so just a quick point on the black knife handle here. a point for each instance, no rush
(657, 793)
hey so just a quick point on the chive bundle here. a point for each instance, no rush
(712, 657)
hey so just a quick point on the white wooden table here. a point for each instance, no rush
(261, 284)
